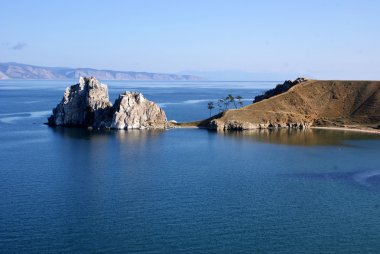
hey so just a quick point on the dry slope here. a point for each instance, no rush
(309, 103)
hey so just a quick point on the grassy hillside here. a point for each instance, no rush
(309, 103)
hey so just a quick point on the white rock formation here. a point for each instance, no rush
(133, 111)
(87, 104)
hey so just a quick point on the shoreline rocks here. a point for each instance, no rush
(240, 126)
(87, 105)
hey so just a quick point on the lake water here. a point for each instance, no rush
(180, 190)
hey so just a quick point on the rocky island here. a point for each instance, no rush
(87, 105)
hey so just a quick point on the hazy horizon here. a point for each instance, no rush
(240, 40)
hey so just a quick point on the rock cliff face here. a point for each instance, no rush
(133, 111)
(307, 103)
(87, 104)
(246, 125)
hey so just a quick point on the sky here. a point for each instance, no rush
(325, 39)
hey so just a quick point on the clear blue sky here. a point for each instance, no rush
(321, 39)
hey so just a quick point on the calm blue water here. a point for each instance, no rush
(181, 190)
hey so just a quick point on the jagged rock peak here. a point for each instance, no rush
(85, 104)
(133, 111)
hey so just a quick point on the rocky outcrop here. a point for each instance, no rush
(243, 125)
(87, 104)
(133, 111)
(279, 89)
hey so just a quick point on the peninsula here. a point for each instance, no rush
(304, 103)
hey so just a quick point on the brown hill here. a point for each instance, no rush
(308, 103)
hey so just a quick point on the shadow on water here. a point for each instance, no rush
(308, 137)
(296, 137)
(120, 135)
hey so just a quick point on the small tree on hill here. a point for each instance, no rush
(210, 106)
(226, 103)
(231, 99)
(220, 104)
(239, 100)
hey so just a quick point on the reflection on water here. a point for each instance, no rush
(137, 135)
(120, 135)
(308, 137)
(104, 147)
(80, 133)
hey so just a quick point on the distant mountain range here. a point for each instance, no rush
(25, 71)
(236, 75)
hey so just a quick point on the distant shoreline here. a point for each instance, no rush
(19, 71)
